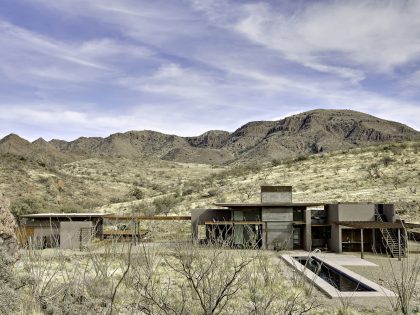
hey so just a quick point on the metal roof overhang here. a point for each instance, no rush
(148, 218)
(268, 204)
(376, 225)
(64, 215)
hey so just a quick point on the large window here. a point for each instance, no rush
(299, 214)
(318, 216)
(321, 232)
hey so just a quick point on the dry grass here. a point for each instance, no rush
(387, 173)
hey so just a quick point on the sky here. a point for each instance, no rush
(72, 68)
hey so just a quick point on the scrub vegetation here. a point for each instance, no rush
(386, 173)
(181, 278)
(184, 278)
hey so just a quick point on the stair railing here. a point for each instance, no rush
(387, 236)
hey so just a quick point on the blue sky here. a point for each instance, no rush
(73, 68)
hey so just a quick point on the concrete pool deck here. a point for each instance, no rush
(338, 263)
(347, 259)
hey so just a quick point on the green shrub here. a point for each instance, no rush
(136, 193)
(164, 205)
(26, 205)
(144, 208)
(212, 192)
(387, 160)
(276, 162)
(70, 207)
(116, 200)
(300, 158)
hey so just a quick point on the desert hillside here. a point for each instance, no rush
(317, 131)
(382, 173)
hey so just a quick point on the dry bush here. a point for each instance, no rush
(181, 279)
(164, 205)
(404, 283)
(268, 292)
(75, 285)
(9, 298)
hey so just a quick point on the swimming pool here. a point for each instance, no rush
(334, 277)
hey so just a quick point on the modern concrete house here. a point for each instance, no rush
(63, 230)
(279, 223)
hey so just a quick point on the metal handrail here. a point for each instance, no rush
(385, 232)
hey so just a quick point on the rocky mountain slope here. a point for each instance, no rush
(40, 149)
(309, 132)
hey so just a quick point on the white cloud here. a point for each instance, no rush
(34, 59)
(377, 35)
(14, 39)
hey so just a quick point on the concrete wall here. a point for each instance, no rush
(70, 233)
(276, 194)
(279, 227)
(356, 212)
(346, 212)
(200, 216)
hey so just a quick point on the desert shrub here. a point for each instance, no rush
(374, 171)
(300, 158)
(164, 205)
(387, 160)
(189, 190)
(89, 204)
(212, 192)
(70, 207)
(403, 281)
(115, 199)
(136, 193)
(159, 188)
(26, 205)
(396, 150)
(396, 181)
(9, 298)
(276, 162)
(144, 208)
(69, 285)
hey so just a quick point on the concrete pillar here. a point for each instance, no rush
(264, 235)
(399, 244)
(361, 244)
(308, 231)
(374, 239)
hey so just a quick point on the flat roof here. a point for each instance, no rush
(144, 217)
(64, 215)
(269, 204)
(371, 224)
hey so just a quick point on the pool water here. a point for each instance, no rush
(334, 277)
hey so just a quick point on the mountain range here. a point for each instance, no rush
(310, 132)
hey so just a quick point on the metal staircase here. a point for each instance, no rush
(390, 240)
